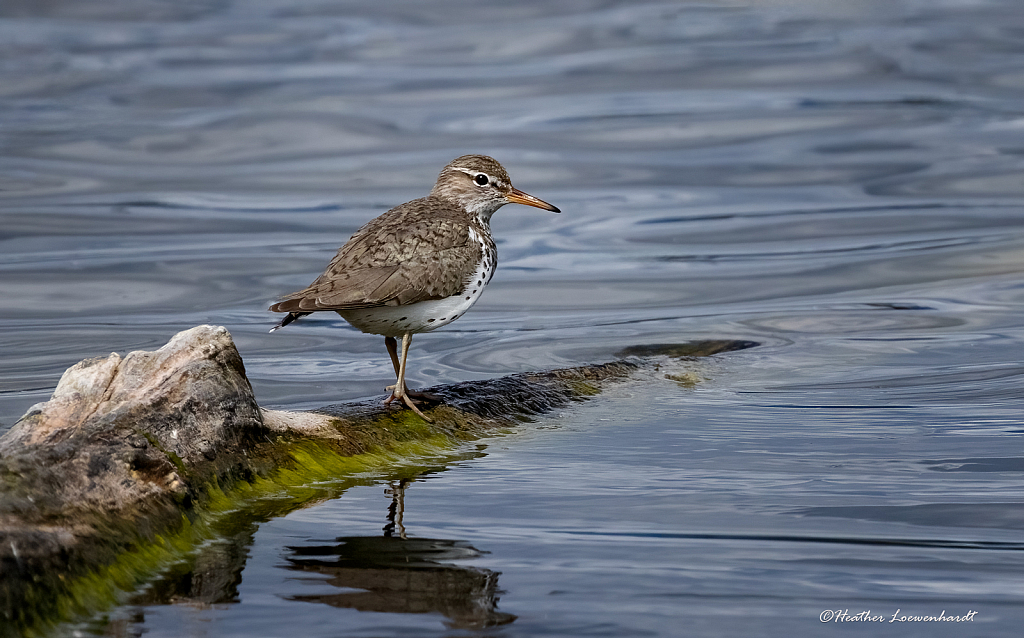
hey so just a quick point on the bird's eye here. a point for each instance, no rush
(480, 179)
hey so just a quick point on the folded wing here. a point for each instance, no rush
(405, 256)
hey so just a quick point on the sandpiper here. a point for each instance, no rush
(419, 266)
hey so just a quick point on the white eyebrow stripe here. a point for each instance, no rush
(496, 182)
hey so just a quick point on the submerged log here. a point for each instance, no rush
(134, 460)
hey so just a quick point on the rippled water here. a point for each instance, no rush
(840, 183)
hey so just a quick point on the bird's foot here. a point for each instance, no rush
(417, 397)
(407, 398)
(423, 397)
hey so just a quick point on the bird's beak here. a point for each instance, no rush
(517, 196)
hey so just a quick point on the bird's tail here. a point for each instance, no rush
(288, 318)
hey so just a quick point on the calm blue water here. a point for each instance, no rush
(842, 184)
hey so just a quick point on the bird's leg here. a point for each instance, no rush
(392, 346)
(400, 391)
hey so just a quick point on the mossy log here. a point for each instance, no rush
(136, 461)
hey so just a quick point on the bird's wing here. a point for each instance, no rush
(395, 260)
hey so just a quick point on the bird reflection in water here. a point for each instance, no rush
(398, 574)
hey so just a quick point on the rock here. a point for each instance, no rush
(118, 432)
(309, 424)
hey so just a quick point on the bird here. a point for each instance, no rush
(417, 267)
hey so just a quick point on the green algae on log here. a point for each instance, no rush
(134, 463)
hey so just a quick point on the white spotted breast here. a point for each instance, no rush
(425, 316)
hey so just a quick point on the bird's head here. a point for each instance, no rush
(481, 186)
